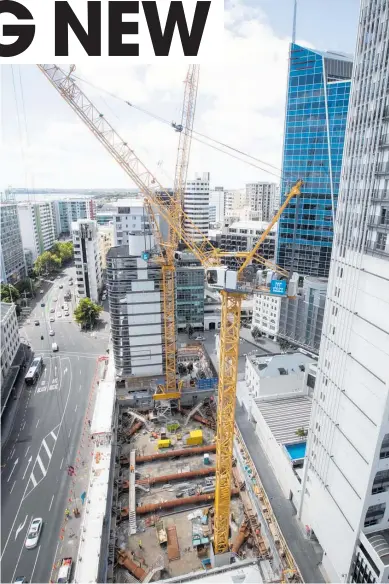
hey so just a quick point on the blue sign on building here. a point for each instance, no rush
(278, 287)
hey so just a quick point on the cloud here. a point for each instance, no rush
(240, 102)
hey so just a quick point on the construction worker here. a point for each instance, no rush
(67, 513)
(140, 544)
(132, 468)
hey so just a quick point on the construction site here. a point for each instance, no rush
(163, 501)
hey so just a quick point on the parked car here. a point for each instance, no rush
(66, 313)
(34, 533)
(51, 332)
(59, 314)
(52, 319)
(200, 339)
(52, 309)
(36, 322)
(42, 304)
(60, 286)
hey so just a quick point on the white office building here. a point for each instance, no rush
(266, 315)
(233, 201)
(87, 258)
(263, 197)
(10, 340)
(37, 227)
(196, 206)
(345, 492)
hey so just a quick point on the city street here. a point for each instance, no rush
(45, 434)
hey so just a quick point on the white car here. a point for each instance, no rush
(34, 533)
(66, 306)
(200, 339)
(52, 309)
(51, 332)
(66, 313)
(52, 319)
(59, 314)
(55, 299)
(42, 291)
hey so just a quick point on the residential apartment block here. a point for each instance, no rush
(345, 492)
(10, 340)
(87, 258)
(66, 211)
(12, 264)
(37, 227)
(262, 197)
(196, 206)
(315, 123)
(243, 235)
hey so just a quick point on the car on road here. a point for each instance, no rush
(51, 332)
(52, 309)
(55, 299)
(71, 283)
(42, 291)
(59, 314)
(52, 319)
(20, 580)
(36, 322)
(66, 313)
(54, 347)
(66, 306)
(34, 533)
(60, 286)
(42, 304)
(200, 339)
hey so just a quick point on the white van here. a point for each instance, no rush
(54, 347)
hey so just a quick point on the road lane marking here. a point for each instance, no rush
(21, 549)
(21, 525)
(61, 464)
(37, 424)
(13, 452)
(23, 426)
(52, 499)
(13, 468)
(53, 435)
(39, 461)
(27, 452)
(70, 431)
(36, 559)
(12, 487)
(28, 464)
(33, 479)
(46, 448)
(75, 409)
(79, 389)
(31, 476)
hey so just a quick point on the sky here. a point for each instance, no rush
(240, 103)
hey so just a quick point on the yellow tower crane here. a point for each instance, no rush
(229, 282)
(185, 128)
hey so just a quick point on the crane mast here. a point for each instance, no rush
(168, 268)
(209, 257)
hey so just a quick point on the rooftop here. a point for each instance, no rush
(284, 416)
(280, 364)
(252, 225)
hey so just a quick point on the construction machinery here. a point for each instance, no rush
(229, 282)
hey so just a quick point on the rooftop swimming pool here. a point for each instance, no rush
(296, 451)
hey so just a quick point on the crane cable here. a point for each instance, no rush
(194, 132)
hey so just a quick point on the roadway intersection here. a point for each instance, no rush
(45, 435)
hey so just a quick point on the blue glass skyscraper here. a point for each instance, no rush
(315, 124)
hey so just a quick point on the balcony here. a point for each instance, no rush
(383, 168)
(384, 141)
(380, 195)
(380, 222)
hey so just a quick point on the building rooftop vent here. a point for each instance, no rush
(282, 371)
(302, 367)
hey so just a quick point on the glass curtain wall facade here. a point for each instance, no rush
(316, 113)
(190, 293)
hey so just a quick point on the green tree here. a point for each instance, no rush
(47, 262)
(63, 250)
(25, 285)
(301, 432)
(87, 312)
(8, 293)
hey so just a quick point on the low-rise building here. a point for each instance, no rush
(87, 259)
(277, 395)
(266, 315)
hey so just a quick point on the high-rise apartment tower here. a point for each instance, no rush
(345, 490)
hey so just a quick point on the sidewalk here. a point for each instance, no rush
(69, 535)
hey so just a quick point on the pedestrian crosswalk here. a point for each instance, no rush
(42, 461)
